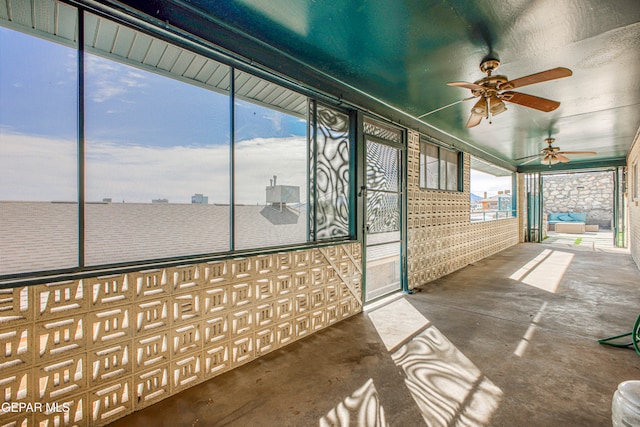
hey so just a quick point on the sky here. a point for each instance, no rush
(481, 182)
(147, 136)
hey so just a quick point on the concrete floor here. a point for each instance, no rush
(599, 241)
(510, 340)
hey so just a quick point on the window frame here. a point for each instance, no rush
(210, 51)
(509, 213)
(635, 171)
(442, 166)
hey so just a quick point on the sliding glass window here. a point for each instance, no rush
(491, 194)
(38, 143)
(440, 167)
(131, 148)
(270, 130)
(157, 148)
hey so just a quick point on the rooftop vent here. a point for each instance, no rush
(279, 195)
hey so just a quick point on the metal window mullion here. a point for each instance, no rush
(355, 167)
(404, 215)
(440, 168)
(540, 207)
(514, 195)
(615, 207)
(81, 141)
(313, 172)
(460, 171)
(232, 165)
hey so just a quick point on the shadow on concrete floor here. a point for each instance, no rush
(600, 241)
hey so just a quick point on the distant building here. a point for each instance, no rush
(279, 195)
(160, 201)
(199, 199)
(501, 202)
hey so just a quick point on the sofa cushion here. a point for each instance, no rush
(554, 216)
(579, 217)
(558, 217)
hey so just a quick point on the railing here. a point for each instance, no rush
(491, 215)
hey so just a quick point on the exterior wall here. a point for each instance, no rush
(104, 347)
(590, 193)
(441, 237)
(634, 205)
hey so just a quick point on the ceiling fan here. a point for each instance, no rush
(494, 90)
(552, 155)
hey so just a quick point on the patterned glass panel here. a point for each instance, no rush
(332, 173)
(383, 209)
(382, 167)
(383, 212)
(381, 131)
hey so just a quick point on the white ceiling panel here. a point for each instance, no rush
(59, 22)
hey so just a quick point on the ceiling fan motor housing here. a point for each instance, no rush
(488, 66)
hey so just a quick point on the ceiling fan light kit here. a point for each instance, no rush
(552, 155)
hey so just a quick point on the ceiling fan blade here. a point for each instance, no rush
(543, 76)
(474, 120)
(541, 104)
(582, 153)
(562, 158)
(467, 85)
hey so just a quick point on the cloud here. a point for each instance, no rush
(107, 79)
(481, 182)
(44, 169)
(37, 168)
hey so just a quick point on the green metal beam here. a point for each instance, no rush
(560, 167)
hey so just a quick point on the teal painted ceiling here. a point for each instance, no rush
(400, 54)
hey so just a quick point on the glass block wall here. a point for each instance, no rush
(99, 348)
(441, 237)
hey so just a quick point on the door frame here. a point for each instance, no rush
(361, 220)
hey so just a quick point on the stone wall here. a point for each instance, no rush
(590, 193)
